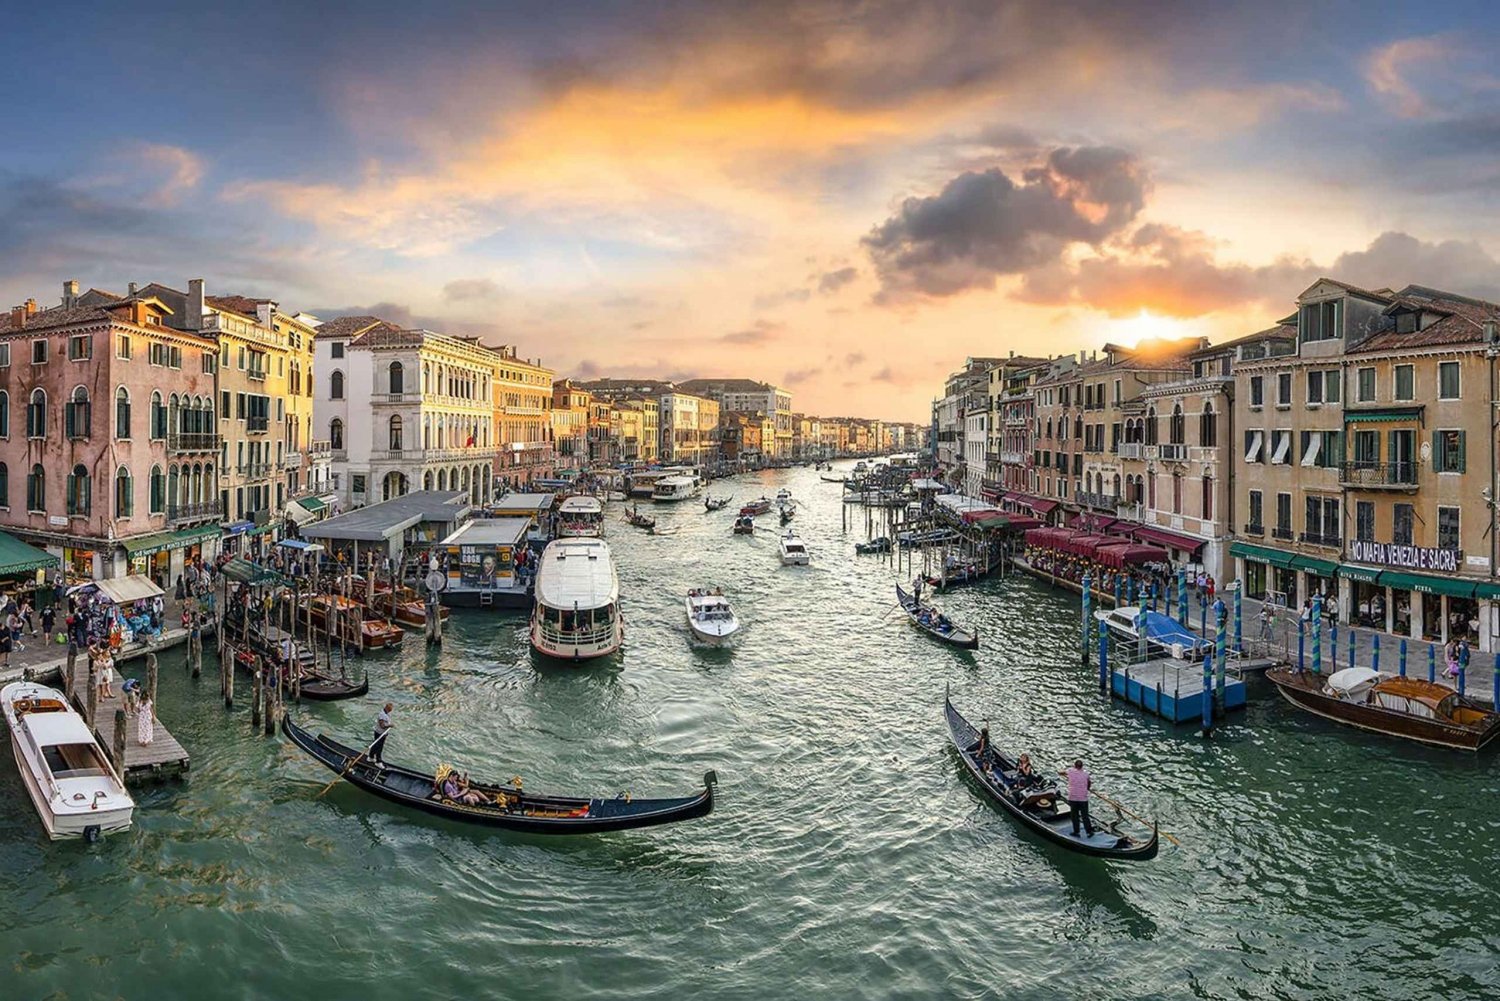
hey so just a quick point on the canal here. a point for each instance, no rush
(847, 857)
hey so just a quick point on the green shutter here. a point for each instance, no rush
(1460, 460)
(1439, 464)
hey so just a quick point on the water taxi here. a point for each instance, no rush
(75, 789)
(348, 620)
(793, 551)
(580, 516)
(1397, 706)
(710, 617)
(676, 488)
(577, 610)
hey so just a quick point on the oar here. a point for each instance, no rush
(352, 762)
(1134, 816)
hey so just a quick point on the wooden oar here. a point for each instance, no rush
(352, 762)
(1134, 816)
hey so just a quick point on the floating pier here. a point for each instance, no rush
(164, 757)
(1173, 689)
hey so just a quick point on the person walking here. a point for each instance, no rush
(145, 723)
(49, 620)
(26, 612)
(1267, 620)
(1079, 784)
(382, 731)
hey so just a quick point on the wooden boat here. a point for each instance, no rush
(276, 646)
(744, 525)
(712, 503)
(510, 808)
(964, 573)
(1040, 806)
(407, 608)
(1412, 708)
(787, 513)
(831, 479)
(710, 617)
(759, 506)
(76, 790)
(634, 516)
(932, 622)
(880, 545)
(374, 633)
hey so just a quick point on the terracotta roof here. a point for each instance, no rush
(388, 335)
(240, 304)
(1282, 331)
(352, 326)
(57, 316)
(1460, 321)
(724, 385)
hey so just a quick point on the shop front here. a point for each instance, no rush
(160, 557)
(1426, 607)
(1269, 574)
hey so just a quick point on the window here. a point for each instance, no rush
(4, 485)
(1366, 391)
(1447, 532)
(36, 490)
(79, 490)
(1448, 380)
(1257, 390)
(397, 374)
(210, 362)
(1284, 515)
(1284, 389)
(1333, 382)
(336, 385)
(80, 347)
(4, 414)
(158, 498)
(158, 417)
(1257, 512)
(1402, 519)
(4, 356)
(356, 483)
(1322, 449)
(1206, 501)
(122, 347)
(38, 352)
(395, 433)
(1448, 451)
(1281, 447)
(1176, 493)
(336, 350)
(122, 413)
(1366, 449)
(1177, 428)
(36, 416)
(1208, 427)
(1364, 521)
(1322, 520)
(1254, 442)
(76, 415)
(1315, 386)
(124, 493)
(1319, 321)
(1406, 382)
(1406, 323)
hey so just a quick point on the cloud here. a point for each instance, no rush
(983, 225)
(853, 358)
(759, 332)
(832, 281)
(463, 289)
(404, 316)
(183, 170)
(770, 300)
(800, 375)
(1386, 72)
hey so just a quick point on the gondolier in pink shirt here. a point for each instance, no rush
(1079, 784)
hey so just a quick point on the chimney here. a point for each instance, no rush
(263, 313)
(194, 318)
(132, 288)
(70, 293)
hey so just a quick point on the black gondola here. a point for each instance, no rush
(880, 545)
(1039, 806)
(522, 811)
(967, 574)
(316, 685)
(937, 625)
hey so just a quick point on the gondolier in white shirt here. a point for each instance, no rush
(382, 731)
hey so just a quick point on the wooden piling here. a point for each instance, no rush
(72, 665)
(151, 677)
(92, 701)
(273, 697)
(257, 691)
(228, 672)
(119, 741)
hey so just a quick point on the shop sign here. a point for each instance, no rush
(58, 521)
(1389, 554)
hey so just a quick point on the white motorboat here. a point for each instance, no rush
(710, 617)
(76, 791)
(793, 551)
(676, 488)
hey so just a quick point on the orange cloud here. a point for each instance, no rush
(1386, 72)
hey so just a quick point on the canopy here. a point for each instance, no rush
(298, 515)
(1350, 678)
(310, 504)
(16, 557)
(1124, 554)
(135, 587)
(1265, 554)
(1085, 545)
(1023, 521)
(250, 573)
(300, 546)
(1170, 540)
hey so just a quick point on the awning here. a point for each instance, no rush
(1365, 575)
(298, 515)
(1171, 540)
(1487, 590)
(1264, 554)
(300, 546)
(147, 545)
(1323, 568)
(236, 527)
(1042, 508)
(16, 557)
(135, 587)
(311, 504)
(251, 573)
(269, 526)
(1123, 554)
(1454, 587)
(1382, 415)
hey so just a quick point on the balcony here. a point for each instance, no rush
(1173, 452)
(1285, 534)
(1130, 450)
(179, 513)
(256, 374)
(388, 398)
(320, 450)
(254, 470)
(1321, 539)
(1102, 502)
(291, 460)
(193, 441)
(1012, 458)
(1379, 475)
(1255, 530)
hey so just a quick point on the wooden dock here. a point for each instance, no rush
(162, 758)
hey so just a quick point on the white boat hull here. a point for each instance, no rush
(794, 560)
(716, 635)
(74, 805)
(575, 651)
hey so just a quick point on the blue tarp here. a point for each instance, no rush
(237, 527)
(1164, 630)
(298, 544)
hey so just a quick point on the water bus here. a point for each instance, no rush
(580, 516)
(577, 610)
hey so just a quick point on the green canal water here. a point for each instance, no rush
(847, 857)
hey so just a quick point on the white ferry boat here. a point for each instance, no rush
(76, 791)
(676, 488)
(580, 516)
(577, 610)
(793, 551)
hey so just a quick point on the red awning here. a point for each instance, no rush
(1171, 540)
(1022, 521)
(1041, 508)
(1119, 556)
(1084, 545)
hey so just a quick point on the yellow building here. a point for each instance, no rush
(523, 417)
(648, 447)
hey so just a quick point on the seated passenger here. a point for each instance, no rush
(468, 796)
(1025, 772)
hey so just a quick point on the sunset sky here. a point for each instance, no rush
(843, 198)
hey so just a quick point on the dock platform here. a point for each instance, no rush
(1173, 689)
(164, 757)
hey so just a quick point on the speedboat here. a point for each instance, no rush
(793, 551)
(75, 789)
(744, 525)
(1164, 636)
(709, 616)
(1413, 708)
(758, 506)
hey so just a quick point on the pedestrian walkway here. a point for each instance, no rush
(43, 657)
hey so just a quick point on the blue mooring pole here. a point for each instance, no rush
(1375, 651)
(1223, 649)
(1333, 644)
(1352, 636)
(1208, 693)
(1239, 635)
(1317, 627)
(1403, 656)
(1431, 662)
(1087, 596)
(1104, 660)
(1301, 645)
(1182, 606)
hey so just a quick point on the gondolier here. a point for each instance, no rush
(382, 730)
(1079, 784)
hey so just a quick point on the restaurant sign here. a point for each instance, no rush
(1407, 557)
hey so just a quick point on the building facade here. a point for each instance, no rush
(689, 429)
(523, 418)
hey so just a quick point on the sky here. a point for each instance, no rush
(844, 198)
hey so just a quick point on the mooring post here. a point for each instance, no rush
(1208, 693)
(1301, 645)
(1223, 651)
(1140, 636)
(1403, 656)
(257, 688)
(1317, 628)
(273, 697)
(1495, 685)
(1182, 605)
(1431, 663)
(119, 742)
(1333, 644)
(229, 677)
(1375, 651)
(1239, 633)
(1353, 636)
(1087, 597)
(91, 697)
(72, 666)
(1104, 660)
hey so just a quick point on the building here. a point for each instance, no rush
(751, 396)
(522, 417)
(129, 487)
(965, 392)
(689, 429)
(647, 426)
(571, 408)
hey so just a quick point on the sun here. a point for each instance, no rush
(1145, 326)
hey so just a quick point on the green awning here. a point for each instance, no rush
(994, 521)
(16, 557)
(249, 573)
(1365, 575)
(1454, 587)
(1265, 554)
(198, 533)
(148, 545)
(1323, 568)
(269, 526)
(1382, 415)
(1487, 590)
(313, 504)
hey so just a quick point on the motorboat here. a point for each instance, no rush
(577, 611)
(1397, 706)
(1164, 636)
(676, 488)
(580, 516)
(744, 525)
(761, 505)
(793, 551)
(710, 617)
(928, 537)
(76, 790)
(350, 621)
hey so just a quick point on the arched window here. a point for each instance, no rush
(36, 489)
(122, 413)
(1178, 428)
(1208, 426)
(398, 377)
(158, 417)
(80, 490)
(395, 429)
(1117, 488)
(124, 493)
(36, 418)
(158, 491)
(1151, 429)
(336, 385)
(336, 435)
(174, 420)
(76, 414)
(172, 479)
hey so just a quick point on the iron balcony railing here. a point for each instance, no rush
(1321, 539)
(193, 441)
(1253, 529)
(1281, 533)
(1363, 473)
(254, 470)
(192, 512)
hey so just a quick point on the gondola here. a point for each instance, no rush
(952, 633)
(967, 574)
(1041, 806)
(711, 503)
(316, 685)
(522, 811)
(639, 520)
(880, 545)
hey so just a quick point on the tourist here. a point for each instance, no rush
(1450, 652)
(1026, 772)
(145, 723)
(469, 796)
(5, 648)
(26, 611)
(49, 620)
(382, 731)
(1267, 620)
(982, 750)
(181, 588)
(13, 624)
(107, 674)
(131, 691)
(1079, 784)
(1463, 655)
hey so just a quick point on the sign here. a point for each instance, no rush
(58, 520)
(1407, 557)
